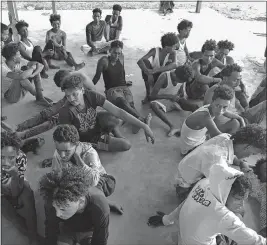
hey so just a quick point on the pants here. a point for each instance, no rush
(117, 92)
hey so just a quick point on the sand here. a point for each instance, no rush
(145, 174)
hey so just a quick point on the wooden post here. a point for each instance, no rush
(13, 18)
(198, 6)
(54, 7)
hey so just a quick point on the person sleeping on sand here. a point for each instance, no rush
(212, 209)
(56, 41)
(163, 59)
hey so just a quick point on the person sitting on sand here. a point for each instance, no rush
(17, 77)
(199, 123)
(81, 112)
(211, 209)
(56, 42)
(96, 35)
(114, 23)
(116, 90)
(231, 77)
(80, 208)
(163, 59)
(15, 189)
(247, 141)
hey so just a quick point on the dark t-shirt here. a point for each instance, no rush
(95, 32)
(85, 120)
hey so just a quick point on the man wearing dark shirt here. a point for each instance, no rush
(77, 208)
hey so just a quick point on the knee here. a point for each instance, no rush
(235, 124)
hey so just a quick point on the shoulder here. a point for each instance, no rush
(120, 19)
(102, 22)
(63, 33)
(93, 95)
(89, 25)
(48, 32)
(103, 60)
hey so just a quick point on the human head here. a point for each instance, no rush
(224, 47)
(169, 41)
(4, 32)
(116, 10)
(184, 74)
(67, 189)
(249, 140)
(116, 50)
(221, 99)
(72, 86)
(11, 52)
(260, 169)
(58, 78)
(22, 28)
(10, 144)
(55, 20)
(232, 75)
(97, 12)
(238, 193)
(184, 28)
(208, 51)
(66, 138)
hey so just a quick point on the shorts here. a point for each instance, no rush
(106, 184)
(15, 92)
(166, 105)
(119, 92)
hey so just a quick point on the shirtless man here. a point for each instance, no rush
(163, 59)
(56, 41)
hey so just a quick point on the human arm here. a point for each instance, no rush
(39, 68)
(64, 39)
(173, 65)
(141, 63)
(210, 125)
(119, 28)
(208, 95)
(235, 116)
(238, 106)
(89, 41)
(101, 64)
(51, 37)
(23, 53)
(21, 75)
(217, 63)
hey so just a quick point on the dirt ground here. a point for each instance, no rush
(145, 174)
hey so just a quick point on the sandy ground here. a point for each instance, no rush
(145, 174)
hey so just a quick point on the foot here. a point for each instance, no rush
(116, 208)
(174, 131)
(79, 66)
(54, 67)
(129, 83)
(44, 75)
(43, 102)
(145, 100)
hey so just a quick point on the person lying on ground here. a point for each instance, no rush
(247, 141)
(17, 77)
(162, 59)
(210, 210)
(80, 209)
(114, 23)
(56, 42)
(81, 112)
(116, 90)
(232, 77)
(15, 189)
(201, 122)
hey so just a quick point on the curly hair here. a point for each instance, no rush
(3, 27)
(225, 45)
(67, 185)
(257, 168)
(184, 24)
(209, 45)
(97, 10)
(10, 139)
(55, 17)
(229, 69)
(223, 92)
(116, 44)
(169, 39)
(241, 186)
(184, 73)
(73, 80)
(252, 134)
(117, 7)
(66, 133)
(10, 50)
(21, 24)
(58, 77)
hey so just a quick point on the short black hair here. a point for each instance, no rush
(66, 133)
(257, 168)
(169, 39)
(10, 50)
(55, 17)
(209, 45)
(97, 10)
(117, 7)
(225, 45)
(73, 80)
(184, 24)
(58, 77)
(223, 92)
(116, 44)
(3, 27)
(252, 134)
(10, 139)
(184, 73)
(241, 186)
(229, 69)
(21, 24)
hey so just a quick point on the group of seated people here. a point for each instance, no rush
(213, 179)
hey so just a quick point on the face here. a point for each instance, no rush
(222, 53)
(170, 48)
(75, 96)
(115, 14)
(185, 32)
(23, 31)
(234, 80)
(8, 157)
(65, 150)
(219, 106)
(115, 53)
(208, 56)
(96, 17)
(235, 203)
(244, 150)
(67, 211)
(263, 173)
(4, 35)
(56, 25)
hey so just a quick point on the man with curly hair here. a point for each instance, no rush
(15, 189)
(232, 77)
(158, 60)
(78, 209)
(56, 43)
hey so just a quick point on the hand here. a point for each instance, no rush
(149, 134)
(94, 49)
(156, 220)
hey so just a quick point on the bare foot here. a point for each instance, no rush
(148, 121)
(43, 102)
(116, 208)
(174, 131)
(79, 66)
